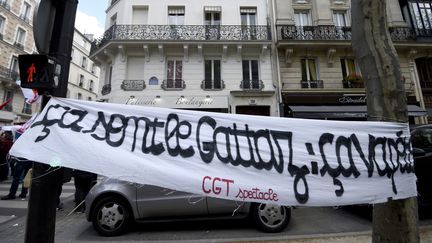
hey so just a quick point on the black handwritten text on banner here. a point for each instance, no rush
(265, 159)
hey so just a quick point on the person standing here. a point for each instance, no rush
(83, 181)
(22, 166)
(5, 145)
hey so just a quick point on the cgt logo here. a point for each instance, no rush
(216, 185)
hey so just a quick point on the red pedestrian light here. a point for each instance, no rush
(35, 72)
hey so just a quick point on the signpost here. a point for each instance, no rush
(53, 27)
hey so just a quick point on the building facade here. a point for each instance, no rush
(212, 55)
(16, 38)
(290, 58)
(83, 73)
(319, 76)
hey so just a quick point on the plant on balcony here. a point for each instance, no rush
(354, 80)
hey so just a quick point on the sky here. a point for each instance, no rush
(90, 17)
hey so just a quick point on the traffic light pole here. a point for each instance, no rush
(48, 180)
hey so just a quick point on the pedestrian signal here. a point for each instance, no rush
(35, 72)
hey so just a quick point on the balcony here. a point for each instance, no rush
(312, 84)
(133, 85)
(8, 74)
(322, 32)
(173, 84)
(106, 89)
(157, 33)
(336, 33)
(213, 85)
(252, 85)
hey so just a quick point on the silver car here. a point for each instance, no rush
(112, 205)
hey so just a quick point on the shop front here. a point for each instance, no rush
(186, 102)
(336, 106)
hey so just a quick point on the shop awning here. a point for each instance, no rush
(353, 111)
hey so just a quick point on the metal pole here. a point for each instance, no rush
(47, 180)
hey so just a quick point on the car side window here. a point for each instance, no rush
(422, 138)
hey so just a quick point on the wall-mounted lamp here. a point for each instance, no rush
(208, 96)
(157, 96)
(182, 96)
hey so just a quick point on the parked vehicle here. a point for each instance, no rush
(421, 140)
(112, 205)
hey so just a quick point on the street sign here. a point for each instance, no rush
(43, 22)
(35, 72)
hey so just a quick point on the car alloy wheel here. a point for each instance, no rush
(270, 217)
(111, 216)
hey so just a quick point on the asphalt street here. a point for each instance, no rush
(321, 224)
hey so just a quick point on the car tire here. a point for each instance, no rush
(270, 218)
(111, 216)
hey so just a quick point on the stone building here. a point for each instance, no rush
(319, 76)
(202, 55)
(83, 73)
(16, 38)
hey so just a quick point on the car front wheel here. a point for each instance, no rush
(111, 216)
(270, 218)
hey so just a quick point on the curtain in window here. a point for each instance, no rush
(312, 69)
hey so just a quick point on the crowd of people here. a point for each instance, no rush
(18, 169)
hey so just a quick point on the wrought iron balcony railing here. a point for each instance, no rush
(251, 85)
(312, 84)
(213, 85)
(133, 85)
(106, 89)
(322, 32)
(184, 33)
(328, 32)
(8, 74)
(173, 84)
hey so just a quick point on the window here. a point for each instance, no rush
(309, 70)
(422, 14)
(93, 68)
(89, 98)
(8, 94)
(348, 66)
(176, 15)
(20, 38)
(250, 74)
(91, 85)
(14, 68)
(212, 21)
(212, 74)
(113, 20)
(340, 19)
(81, 80)
(79, 96)
(302, 18)
(310, 74)
(25, 13)
(248, 23)
(174, 74)
(27, 109)
(84, 62)
(2, 26)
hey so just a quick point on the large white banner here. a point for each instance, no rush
(251, 158)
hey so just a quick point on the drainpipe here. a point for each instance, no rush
(274, 56)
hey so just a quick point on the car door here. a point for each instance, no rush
(156, 202)
(223, 206)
